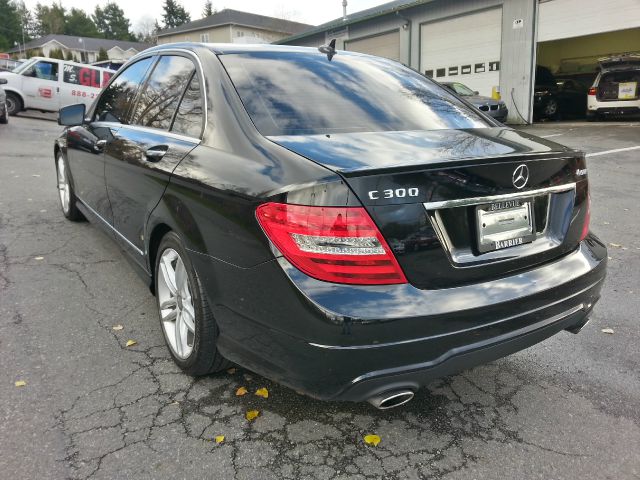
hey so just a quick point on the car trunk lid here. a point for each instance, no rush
(424, 190)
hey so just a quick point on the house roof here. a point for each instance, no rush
(82, 43)
(357, 17)
(229, 16)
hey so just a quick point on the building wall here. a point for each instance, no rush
(226, 34)
(220, 34)
(242, 34)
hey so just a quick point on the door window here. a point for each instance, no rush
(43, 70)
(115, 102)
(189, 118)
(162, 93)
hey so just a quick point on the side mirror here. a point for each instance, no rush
(71, 115)
(476, 92)
(3, 81)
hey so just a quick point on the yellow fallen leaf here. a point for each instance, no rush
(252, 414)
(372, 440)
(231, 371)
(615, 245)
(117, 327)
(608, 331)
(39, 258)
(21, 383)
(219, 439)
(262, 392)
(241, 391)
(131, 343)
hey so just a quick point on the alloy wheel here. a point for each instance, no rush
(177, 311)
(63, 185)
(551, 109)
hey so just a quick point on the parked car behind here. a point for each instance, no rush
(4, 113)
(495, 108)
(110, 64)
(615, 90)
(46, 84)
(333, 221)
(8, 65)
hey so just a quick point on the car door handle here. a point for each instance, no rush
(155, 154)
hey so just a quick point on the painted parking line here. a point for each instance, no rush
(616, 150)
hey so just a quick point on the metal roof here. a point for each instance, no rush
(235, 17)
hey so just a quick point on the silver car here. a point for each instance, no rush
(4, 113)
(496, 108)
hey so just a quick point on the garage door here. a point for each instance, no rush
(385, 45)
(559, 18)
(464, 49)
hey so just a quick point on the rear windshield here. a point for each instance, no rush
(293, 93)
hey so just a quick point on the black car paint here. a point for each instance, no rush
(335, 341)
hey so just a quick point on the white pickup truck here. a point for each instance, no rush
(47, 84)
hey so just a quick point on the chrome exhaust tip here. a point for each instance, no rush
(392, 399)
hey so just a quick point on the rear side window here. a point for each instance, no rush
(297, 93)
(115, 102)
(162, 93)
(189, 117)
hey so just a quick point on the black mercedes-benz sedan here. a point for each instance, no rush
(333, 221)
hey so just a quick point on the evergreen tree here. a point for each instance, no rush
(208, 9)
(56, 53)
(174, 14)
(111, 22)
(50, 19)
(78, 23)
(10, 25)
(68, 56)
(28, 22)
(102, 55)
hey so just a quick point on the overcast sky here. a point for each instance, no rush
(314, 12)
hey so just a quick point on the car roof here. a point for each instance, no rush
(231, 48)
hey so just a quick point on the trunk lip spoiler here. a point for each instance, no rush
(464, 202)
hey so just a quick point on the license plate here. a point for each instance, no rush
(505, 224)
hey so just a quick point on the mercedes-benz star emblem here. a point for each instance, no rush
(520, 176)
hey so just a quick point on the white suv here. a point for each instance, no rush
(615, 90)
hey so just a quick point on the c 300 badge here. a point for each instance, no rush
(393, 193)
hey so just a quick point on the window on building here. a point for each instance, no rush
(115, 102)
(189, 118)
(158, 101)
(204, 38)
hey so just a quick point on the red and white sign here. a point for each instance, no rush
(45, 92)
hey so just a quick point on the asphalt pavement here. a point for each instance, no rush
(93, 407)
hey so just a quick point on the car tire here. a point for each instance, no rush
(551, 110)
(14, 104)
(4, 118)
(187, 322)
(68, 200)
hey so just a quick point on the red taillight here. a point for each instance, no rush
(592, 91)
(587, 219)
(334, 244)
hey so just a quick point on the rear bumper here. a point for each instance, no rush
(345, 342)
